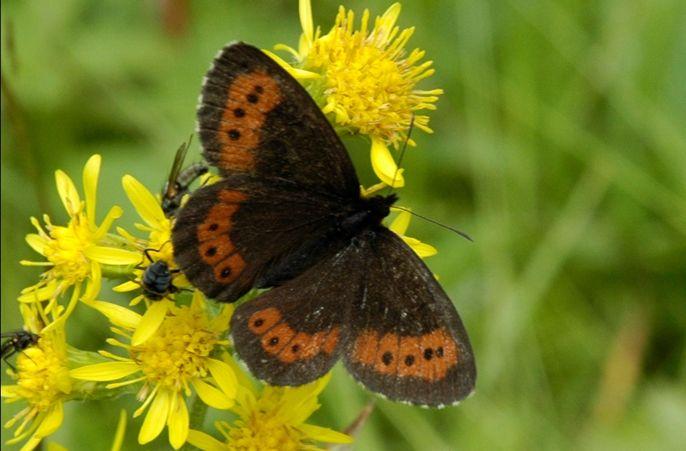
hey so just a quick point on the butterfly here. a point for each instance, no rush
(288, 215)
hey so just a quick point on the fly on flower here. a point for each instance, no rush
(42, 382)
(179, 180)
(157, 278)
(15, 342)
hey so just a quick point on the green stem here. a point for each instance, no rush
(117, 272)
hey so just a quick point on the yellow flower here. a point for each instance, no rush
(158, 228)
(43, 383)
(365, 80)
(400, 225)
(157, 225)
(169, 351)
(75, 252)
(274, 420)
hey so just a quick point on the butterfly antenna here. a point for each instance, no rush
(402, 151)
(452, 229)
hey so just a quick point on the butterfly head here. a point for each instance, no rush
(368, 212)
(378, 207)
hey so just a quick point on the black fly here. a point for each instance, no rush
(17, 341)
(179, 180)
(157, 279)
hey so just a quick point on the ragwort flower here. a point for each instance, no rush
(158, 244)
(75, 252)
(169, 361)
(365, 80)
(41, 381)
(273, 420)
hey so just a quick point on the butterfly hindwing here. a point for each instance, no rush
(255, 118)
(295, 333)
(407, 341)
(243, 232)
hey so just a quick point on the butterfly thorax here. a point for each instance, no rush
(368, 212)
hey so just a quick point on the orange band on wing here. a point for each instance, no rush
(428, 356)
(280, 340)
(215, 246)
(251, 96)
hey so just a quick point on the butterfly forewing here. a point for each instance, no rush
(255, 118)
(244, 232)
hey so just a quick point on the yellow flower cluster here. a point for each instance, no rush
(365, 80)
(173, 353)
(169, 351)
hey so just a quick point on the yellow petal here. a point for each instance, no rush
(94, 283)
(126, 287)
(204, 441)
(117, 314)
(112, 215)
(389, 18)
(401, 222)
(40, 294)
(143, 201)
(112, 255)
(36, 242)
(102, 372)
(198, 301)
(91, 172)
(224, 376)
(53, 419)
(156, 417)
(178, 423)
(59, 322)
(300, 74)
(121, 430)
(384, 165)
(151, 321)
(30, 444)
(422, 249)
(305, 13)
(68, 194)
(244, 381)
(211, 396)
(325, 435)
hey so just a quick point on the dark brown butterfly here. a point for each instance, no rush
(288, 214)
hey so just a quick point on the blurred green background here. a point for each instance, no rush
(559, 146)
